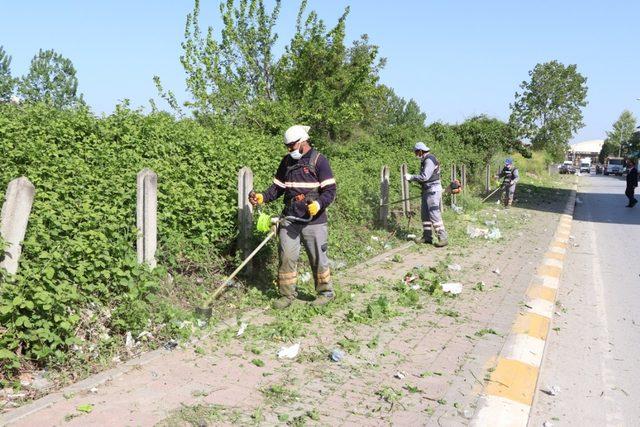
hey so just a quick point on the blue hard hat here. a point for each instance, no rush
(508, 161)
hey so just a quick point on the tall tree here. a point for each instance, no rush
(621, 132)
(52, 80)
(225, 75)
(487, 136)
(548, 111)
(327, 83)
(7, 83)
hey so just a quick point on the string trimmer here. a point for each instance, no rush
(265, 223)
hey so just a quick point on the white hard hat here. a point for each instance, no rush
(296, 133)
(421, 146)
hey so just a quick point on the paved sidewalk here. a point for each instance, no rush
(441, 352)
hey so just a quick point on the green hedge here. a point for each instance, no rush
(78, 265)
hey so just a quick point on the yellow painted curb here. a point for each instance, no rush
(543, 292)
(532, 324)
(514, 380)
(509, 392)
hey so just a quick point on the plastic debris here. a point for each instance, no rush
(411, 236)
(457, 209)
(243, 327)
(337, 355)
(454, 267)
(93, 390)
(387, 246)
(496, 271)
(465, 413)
(475, 232)
(489, 223)
(400, 375)
(452, 288)
(289, 352)
(494, 234)
(415, 287)
(144, 335)
(547, 424)
(375, 238)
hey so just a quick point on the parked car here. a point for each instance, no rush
(565, 168)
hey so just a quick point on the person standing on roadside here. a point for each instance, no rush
(632, 183)
(305, 179)
(510, 177)
(431, 208)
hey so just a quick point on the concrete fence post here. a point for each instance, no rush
(147, 216)
(454, 173)
(245, 213)
(15, 217)
(404, 190)
(487, 178)
(383, 213)
(463, 177)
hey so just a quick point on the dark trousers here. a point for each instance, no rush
(629, 193)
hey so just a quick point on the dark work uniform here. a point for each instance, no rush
(632, 183)
(300, 181)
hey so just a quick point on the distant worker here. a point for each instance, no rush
(510, 177)
(431, 208)
(632, 183)
(305, 179)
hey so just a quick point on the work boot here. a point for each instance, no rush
(322, 299)
(441, 243)
(283, 302)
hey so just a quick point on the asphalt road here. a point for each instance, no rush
(593, 352)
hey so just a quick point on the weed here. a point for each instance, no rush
(397, 258)
(374, 342)
(376, 310)
(389, 395)
(349, 345)
(479, 286)
(313, 414)
(258, 362)
(283, 417)
(448, 312)
(485, 331)
(426, 374)
(277, 394)
(412, 389)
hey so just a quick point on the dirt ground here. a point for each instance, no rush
(420, 363)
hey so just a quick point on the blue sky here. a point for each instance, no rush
(455, 58)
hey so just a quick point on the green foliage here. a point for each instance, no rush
(52, 80)
(484, 137)
(549, 109)
(78, 265)
(7, 83)
(619, 139)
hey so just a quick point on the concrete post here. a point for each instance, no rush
(147, 216)
(454, 198)
(383, 213)
(404, 190)
(487, 178)
(463, 177)
(15, 216)
(245, 213)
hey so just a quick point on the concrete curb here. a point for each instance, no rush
(508, 394)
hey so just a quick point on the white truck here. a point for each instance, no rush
(585, 165)
(613, 166)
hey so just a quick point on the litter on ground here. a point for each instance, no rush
(452, 288)
(400, 375)
(289, 352)
(454, 267)
(243, 327)
(336, 355)
(496, 271)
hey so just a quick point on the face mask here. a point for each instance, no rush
(295, 154)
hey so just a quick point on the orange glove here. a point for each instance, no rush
(256, 198)
(313, 208)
